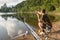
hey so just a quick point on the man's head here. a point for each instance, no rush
(43, 11)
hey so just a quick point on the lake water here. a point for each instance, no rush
(11, 28)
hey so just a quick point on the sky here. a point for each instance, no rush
(10, 2)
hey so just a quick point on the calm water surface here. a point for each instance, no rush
(11, 27)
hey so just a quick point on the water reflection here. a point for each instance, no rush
(15, 26)
(11, 27)
(3, 33)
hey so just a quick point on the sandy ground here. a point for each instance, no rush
(55, 34)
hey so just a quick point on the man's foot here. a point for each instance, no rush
(46, 36)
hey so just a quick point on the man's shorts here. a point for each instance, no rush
(47, 28)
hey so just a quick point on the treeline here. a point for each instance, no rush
(33, 5)
(4, 8)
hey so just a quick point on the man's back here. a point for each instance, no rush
(46, 20)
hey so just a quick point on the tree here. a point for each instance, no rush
(4, 8)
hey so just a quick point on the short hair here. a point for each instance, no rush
(43, 10)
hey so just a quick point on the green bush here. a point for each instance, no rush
(52, 8)
(51, 17)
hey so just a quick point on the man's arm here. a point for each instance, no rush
(38, 16)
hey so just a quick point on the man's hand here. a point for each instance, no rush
(39, 12)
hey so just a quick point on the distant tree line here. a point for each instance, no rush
(32, 5)
(4, 8)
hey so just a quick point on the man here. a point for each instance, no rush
(44, 22)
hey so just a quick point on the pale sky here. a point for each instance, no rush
(10, 2)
